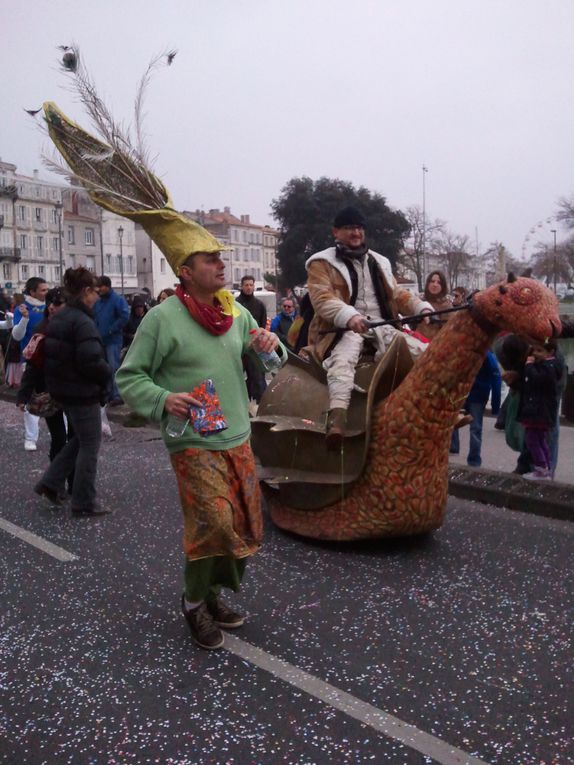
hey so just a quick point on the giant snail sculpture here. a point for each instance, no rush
(391, 477)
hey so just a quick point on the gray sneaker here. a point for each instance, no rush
(204, 630)
(223, 616)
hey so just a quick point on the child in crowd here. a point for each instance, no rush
(538, 409)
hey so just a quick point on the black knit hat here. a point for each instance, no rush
(349, 216)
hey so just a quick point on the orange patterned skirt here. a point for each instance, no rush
(220, 500)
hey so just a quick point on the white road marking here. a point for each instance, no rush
(365, 713)
(32, 539)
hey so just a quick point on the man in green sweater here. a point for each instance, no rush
(200, 334)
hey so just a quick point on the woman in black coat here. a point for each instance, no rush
(77, 375)
(33, 381)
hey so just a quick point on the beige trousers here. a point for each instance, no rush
(340, 365)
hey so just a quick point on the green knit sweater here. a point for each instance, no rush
(172, 353)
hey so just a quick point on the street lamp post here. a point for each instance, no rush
(121, 236)
(425, 264)
(553, 231)
(59, 208)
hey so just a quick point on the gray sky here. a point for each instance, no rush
(480, 91)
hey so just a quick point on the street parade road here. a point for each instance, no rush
(451, 649)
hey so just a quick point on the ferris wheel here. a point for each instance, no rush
(541, 232)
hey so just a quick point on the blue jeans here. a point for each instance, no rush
(476, 409)
(81, 454)
(113, 351)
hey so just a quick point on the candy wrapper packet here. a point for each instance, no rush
(207, 418)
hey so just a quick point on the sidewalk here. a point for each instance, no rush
(496, 455)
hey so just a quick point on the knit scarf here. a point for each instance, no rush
(352, 253)
(217, 318)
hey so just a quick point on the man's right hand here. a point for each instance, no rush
(178, 404)
(358, 323)
(23, 311)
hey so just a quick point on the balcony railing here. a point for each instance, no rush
(12, 254)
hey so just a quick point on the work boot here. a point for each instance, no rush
(223, 616)
(203, 628)
(463, 419)
(51, 495)
(335, 430)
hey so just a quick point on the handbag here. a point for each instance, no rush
(513, 430)
(42, 405)
(33, 353)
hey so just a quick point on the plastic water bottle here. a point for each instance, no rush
(175, 426)
(270, 359)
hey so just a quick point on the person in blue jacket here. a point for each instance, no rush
(111, 314)
(282, 322)
(487, 381)
(27, 317)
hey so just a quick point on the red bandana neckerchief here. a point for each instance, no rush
(211, 317)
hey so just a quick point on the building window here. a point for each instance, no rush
(55, 243)
(7, 271)
(40, 243)
(245, 236)
(162, 266)
(24, 272)
(245, 253)
(23, 241)
(71, 236)
(89, 236)
(130, 264)
(57, 273)
(41, 271)
(54, 216)
(91, 263)
(108, 262)
(21, 212)
(38, 213)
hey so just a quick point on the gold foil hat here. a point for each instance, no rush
(119, 180)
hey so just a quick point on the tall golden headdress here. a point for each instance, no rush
(116, 174)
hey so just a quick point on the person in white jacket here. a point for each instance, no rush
(26, 317)
(351, 286)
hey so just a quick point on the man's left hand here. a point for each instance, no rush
(264, 341)
(426, 320)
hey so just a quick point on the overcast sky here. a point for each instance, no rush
(480, 91)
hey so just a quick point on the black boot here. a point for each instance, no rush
(335, 430)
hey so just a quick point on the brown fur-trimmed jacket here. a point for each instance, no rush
(330, 289)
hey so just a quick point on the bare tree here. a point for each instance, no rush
(547, 264)
(453, 254)
(418, 242)
(566, 211)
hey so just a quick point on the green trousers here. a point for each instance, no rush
(204, 578)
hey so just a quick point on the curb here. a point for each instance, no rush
(549, 500)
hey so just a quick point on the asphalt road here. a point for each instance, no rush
(450, 649)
